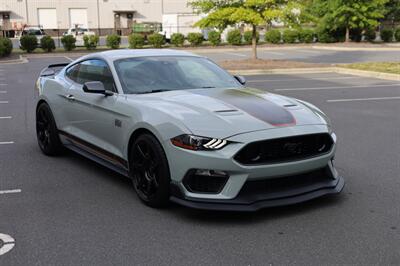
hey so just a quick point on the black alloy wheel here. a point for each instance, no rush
(46, 131)
(150, 171)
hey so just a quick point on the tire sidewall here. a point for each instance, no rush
(55, 146)
(161, 197)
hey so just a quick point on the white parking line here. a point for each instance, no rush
(339, 87)
(6, 142)
(309, 52)
(70, 59)
(10, 191)
(5, 117)
(363, 99)
(3, 91)
(8, 243)
(236, 54)
(305, 79)
(3, 84)
(3, 101)
(275, 53)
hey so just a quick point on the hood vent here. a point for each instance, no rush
(226, 111)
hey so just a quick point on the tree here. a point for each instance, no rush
(348, 14)
(361, 14)
(224, 13)
(392, 9)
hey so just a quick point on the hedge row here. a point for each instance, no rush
(29, 43)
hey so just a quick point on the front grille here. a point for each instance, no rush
(285, 149)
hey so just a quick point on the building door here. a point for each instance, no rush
(78, 16)
(117, 24)
(47, 18)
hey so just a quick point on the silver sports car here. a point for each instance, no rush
(185, 130)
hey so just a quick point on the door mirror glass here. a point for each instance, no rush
(96, 87)
(241, 79)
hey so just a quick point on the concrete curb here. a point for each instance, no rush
(339, 70)
(314, 47)
(367, 49)
(250, 72)
(368, 74)
(21, 60)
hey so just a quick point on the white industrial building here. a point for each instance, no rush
(101, 16)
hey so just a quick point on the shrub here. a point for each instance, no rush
(136, 41)
(156, 40)
(370, 35)
(234, 37)
(387, 35)
(325, 36)
(91, 41)
(5, 46)
(195, 38)
(273, 36)
(28, 43)
(397, 35)
(68, 42)
(248, 37)
(47, 44)
(290, 36)
(177, 39)
(214, 37)
(306, 36)
(113, 41)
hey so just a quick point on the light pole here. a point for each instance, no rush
(98, 17)
(27, 12)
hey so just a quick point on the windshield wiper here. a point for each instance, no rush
(207, 87)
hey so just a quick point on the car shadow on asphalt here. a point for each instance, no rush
(214, 217)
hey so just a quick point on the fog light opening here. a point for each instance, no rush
(205, 181)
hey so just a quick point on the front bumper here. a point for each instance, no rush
(236, 195)
(259, 201)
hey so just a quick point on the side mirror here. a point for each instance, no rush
(241, 79)
(96, 87)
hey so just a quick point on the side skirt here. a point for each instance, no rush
(95, 153)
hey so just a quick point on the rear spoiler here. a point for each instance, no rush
(53, 69)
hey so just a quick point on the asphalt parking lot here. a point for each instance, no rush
(71, 211)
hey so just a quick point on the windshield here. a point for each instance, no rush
(33, 32)
(164, 73)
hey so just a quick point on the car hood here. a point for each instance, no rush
(221, 113)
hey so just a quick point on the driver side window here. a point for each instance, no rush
(92, 70)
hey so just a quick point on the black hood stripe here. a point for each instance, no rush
(256, 106)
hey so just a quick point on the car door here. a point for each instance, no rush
(92, 118)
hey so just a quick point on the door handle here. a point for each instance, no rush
(70, 97)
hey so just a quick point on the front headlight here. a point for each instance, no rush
(195, 143)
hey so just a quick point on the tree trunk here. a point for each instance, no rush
(347, 34)
(254, 42)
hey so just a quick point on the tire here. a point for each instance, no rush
(46, 131)
(150, 171)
